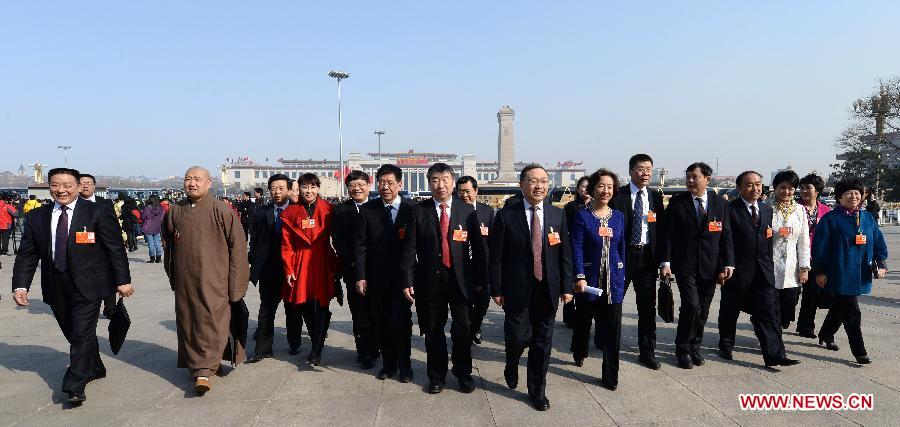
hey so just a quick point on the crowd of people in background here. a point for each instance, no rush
(448, 256)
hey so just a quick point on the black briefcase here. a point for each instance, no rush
(665, 301)
(118, 327)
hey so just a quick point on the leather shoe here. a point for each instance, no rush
(367, 363)
(294, 351)
(435, 388)
(829, 345)
(511, 375)
(257, 357)
(579, 362)
(807, 334)
(725, 352)
(649, 361)
(466, 384)
(541, 403)
(202, 385)
(863, 360)
(784, 361)
(406, 376)
(684, 361)
(476, 337)
(697, 358)
(385, 373)
(76, 398)
(608, 385)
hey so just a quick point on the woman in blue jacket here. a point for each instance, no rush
(598, 251)
(848, 251)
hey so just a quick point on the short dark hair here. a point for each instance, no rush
(846, 185)
(788, 176)
(466, 179)
(638, 158)
(389, 169)
(816, 181)
(582, 179)
(705, 169)
(356, 175)
(439, 168)
(32, 197)
(309, 179)
(87, 175)
(278, 177)
(258, 190)
(247, 193)
(740, 178)
(530, 168)
(153, 200)
(63, 171)
(594, 179)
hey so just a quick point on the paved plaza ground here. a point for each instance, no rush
(144, 387)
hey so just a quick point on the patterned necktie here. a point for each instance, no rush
(389, 209)
(701, 211)
(278, 219)
(62, 237)
(637, 218)
(754, 216)
(537, 244)
(445, 228)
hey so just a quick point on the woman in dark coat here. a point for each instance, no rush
(582, 201)
(598, 252)
(128, 221)
(848, 252)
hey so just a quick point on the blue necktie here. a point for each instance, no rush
(637, 218)
(390, 211)
(278, 219)
(62, 238)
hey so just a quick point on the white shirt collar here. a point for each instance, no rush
(702, 197)
(70, 206)
(284, 206)
(529, 205)
(395, 203)
(635, 189)
(93, 198)
(748, 204)
(449, 203)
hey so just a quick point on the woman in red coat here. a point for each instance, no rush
(310, 262)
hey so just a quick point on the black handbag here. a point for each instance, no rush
(665, 300)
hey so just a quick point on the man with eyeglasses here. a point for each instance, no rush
(644, 214)
(530, 272)
(480, 300)
(346, 219)
(381, 232)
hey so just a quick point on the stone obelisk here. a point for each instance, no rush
(506, 159)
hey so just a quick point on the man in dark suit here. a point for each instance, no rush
(87, 185)
(436, 264)
(267, 270)
(379, 276)
(697, 248)
(479, 292)
(644, 214)
(530, 271)
(245, 208)
(752, 289)
(82, 257)
(345, 221)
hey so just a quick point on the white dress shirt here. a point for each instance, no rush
(396, 205)
(54, 221)
(748, 205)
(437, 207)
(705, 203)
(645, 199)
(540, 213)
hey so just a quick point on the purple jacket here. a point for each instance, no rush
(152, 217)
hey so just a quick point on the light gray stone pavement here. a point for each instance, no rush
(143, 386)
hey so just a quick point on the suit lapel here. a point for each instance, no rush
(691, 208)
(432, 215)
(78, 223)
(47, 222)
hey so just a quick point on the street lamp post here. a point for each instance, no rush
(340, 75)
(379, 133)
(65, 149)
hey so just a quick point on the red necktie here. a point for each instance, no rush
(445, 228)
(537, 243)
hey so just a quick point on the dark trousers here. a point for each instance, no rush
(446, 297)
(787, 304)
(392, 320)
(130, 240)
(608, 319)
(533, 328)
(269, 299)
(696, 296)
(77, 319)
(480, 301)
(366, 346)
(760, 299)
(642, 272)
(845, 311)
(812, 298)
(4, 240)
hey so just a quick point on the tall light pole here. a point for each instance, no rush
(340, 75)
(379, 133)
(65, 149)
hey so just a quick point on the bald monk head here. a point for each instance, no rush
(197, 183)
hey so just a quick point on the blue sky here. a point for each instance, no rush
(153, 87)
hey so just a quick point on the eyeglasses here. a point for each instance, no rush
(387, 183)
(535, 181)
(356, 186)
(643, 170)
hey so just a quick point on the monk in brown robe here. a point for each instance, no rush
(206, 261)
